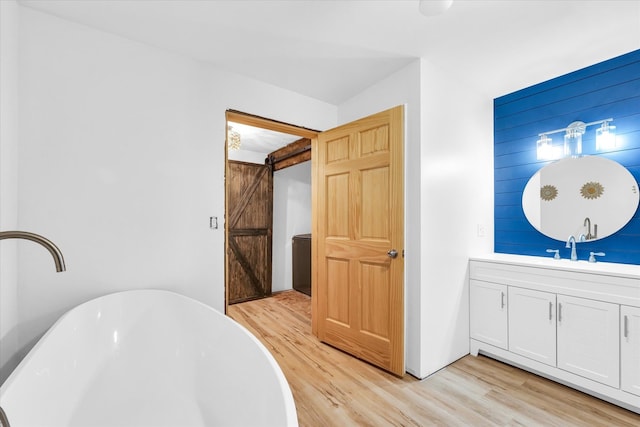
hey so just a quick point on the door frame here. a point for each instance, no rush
(263, 123)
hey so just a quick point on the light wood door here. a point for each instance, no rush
(630, 349)
(249, 231)
(358, 213)
(532, 324)
(488, 313)
(588, 340)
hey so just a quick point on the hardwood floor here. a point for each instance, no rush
(332, 388)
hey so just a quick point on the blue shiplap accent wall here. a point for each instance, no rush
(607, 89)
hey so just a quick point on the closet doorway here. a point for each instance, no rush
(256, 147)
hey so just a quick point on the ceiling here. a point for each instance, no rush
(332, 50)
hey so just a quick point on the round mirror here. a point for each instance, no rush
(590, 196)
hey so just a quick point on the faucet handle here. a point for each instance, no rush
(557, 251)
(592, 256)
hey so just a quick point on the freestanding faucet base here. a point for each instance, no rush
(4, 422)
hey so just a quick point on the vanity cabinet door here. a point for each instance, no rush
(532, 324)
(588, 339)
(488, 313)
(630, 349)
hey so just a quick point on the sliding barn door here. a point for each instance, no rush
(249, 231)
(359, 239)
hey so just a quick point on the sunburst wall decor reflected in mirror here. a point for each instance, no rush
(592, 190)
(548, 192)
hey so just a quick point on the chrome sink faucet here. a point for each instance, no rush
(571, 243)
(47, 244)
(587, 224)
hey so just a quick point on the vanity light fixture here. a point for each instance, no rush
(573, 139)
(605, 139)
(606, 136)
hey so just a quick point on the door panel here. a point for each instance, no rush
(375, 183)
(588, 339)
(532, 324)
(630, 349)
(488, 314)
(338, 291)
(376, 298)
(338, 206)
(359, 217)
(249, 229)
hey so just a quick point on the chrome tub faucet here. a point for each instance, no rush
(48, 245)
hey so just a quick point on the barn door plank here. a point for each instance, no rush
(246, 197)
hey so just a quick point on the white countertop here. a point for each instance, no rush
(583, 266)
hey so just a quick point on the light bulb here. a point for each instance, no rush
(545, 150)
(605, 137)
(573, 144)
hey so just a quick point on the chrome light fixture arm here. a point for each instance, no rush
(576, 127)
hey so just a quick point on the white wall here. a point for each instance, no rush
(449, 191)
(8, 185)
(122, 163)
(291, 216)
(402, 88)
(457, 196)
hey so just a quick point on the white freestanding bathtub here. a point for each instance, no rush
(147, 358)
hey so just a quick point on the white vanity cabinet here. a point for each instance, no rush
(488, 315)
(532, 324)
(573, 322)
(630, 349)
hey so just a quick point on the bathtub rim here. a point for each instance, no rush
(290, 406)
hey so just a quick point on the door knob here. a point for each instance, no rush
(392, 253)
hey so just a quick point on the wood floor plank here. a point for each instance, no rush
(332, 388)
